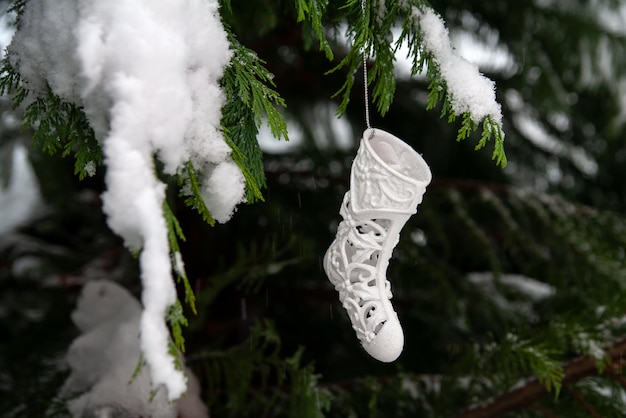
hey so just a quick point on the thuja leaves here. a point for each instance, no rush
(313, 10)
(63, 126)
(190, 190)
(177, 321)
(57, 125)
(493, 128)
(250, 99)
(249, 79)
(490, 129)
(438, 92)
(513, 358)
(254, 378)
(175, 232)
(11, 83)
(371, 36)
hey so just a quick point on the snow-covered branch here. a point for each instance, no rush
(529, 393)
(147, 76)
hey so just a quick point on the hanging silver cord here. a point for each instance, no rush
(367, 105)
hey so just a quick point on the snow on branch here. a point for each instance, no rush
(458, 83)
(470, 92)
(147, 76)
(529, 393)
(453, 82)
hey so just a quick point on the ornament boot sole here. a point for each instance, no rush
(387, 182)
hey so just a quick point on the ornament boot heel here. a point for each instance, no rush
(387, 182)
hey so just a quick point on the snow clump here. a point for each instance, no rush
(102, 360)
(468, 89)
(147, 75)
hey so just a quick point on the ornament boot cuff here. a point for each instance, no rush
(387, 182)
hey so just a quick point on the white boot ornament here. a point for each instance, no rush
(387, 182)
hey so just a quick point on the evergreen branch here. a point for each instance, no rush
(538, 359)
(346, 88)
(307, 399)
(372, 34)
(314, 10)
(57, 125)
(529, 393)
(491, 127)
(11, 82)
(510, 358)
(438, 93)
(226, 4)
(248, 77)
(382, 76)
(60, 125)
(174, 351)
(249, 99)
(256, 378)
(253, 182)
(190, 189)
(175, 232)
(467, 127)
(425, 55)
(141, 361)
(370, 37)
(240, 131)
(177, 321)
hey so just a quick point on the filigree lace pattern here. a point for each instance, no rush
(353, 260)
(376, 187)
(388, 180)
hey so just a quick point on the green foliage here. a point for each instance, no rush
(190, 191)
(529, 356)
(249, 100)
(496, 231)
(438, 93)
(57, 125)
(307, 398)
(370, 35)
(606, 396)
(490, 128)
(175, 232)
(468, 227)
(253, 379)
(493, 128)
(62, 126)
(586, 335)
(313, 10)
(11, 83)
(467, 341)
(370, 30)
(247, 78)
(253, 266)
(141, 362)
(177, 321)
